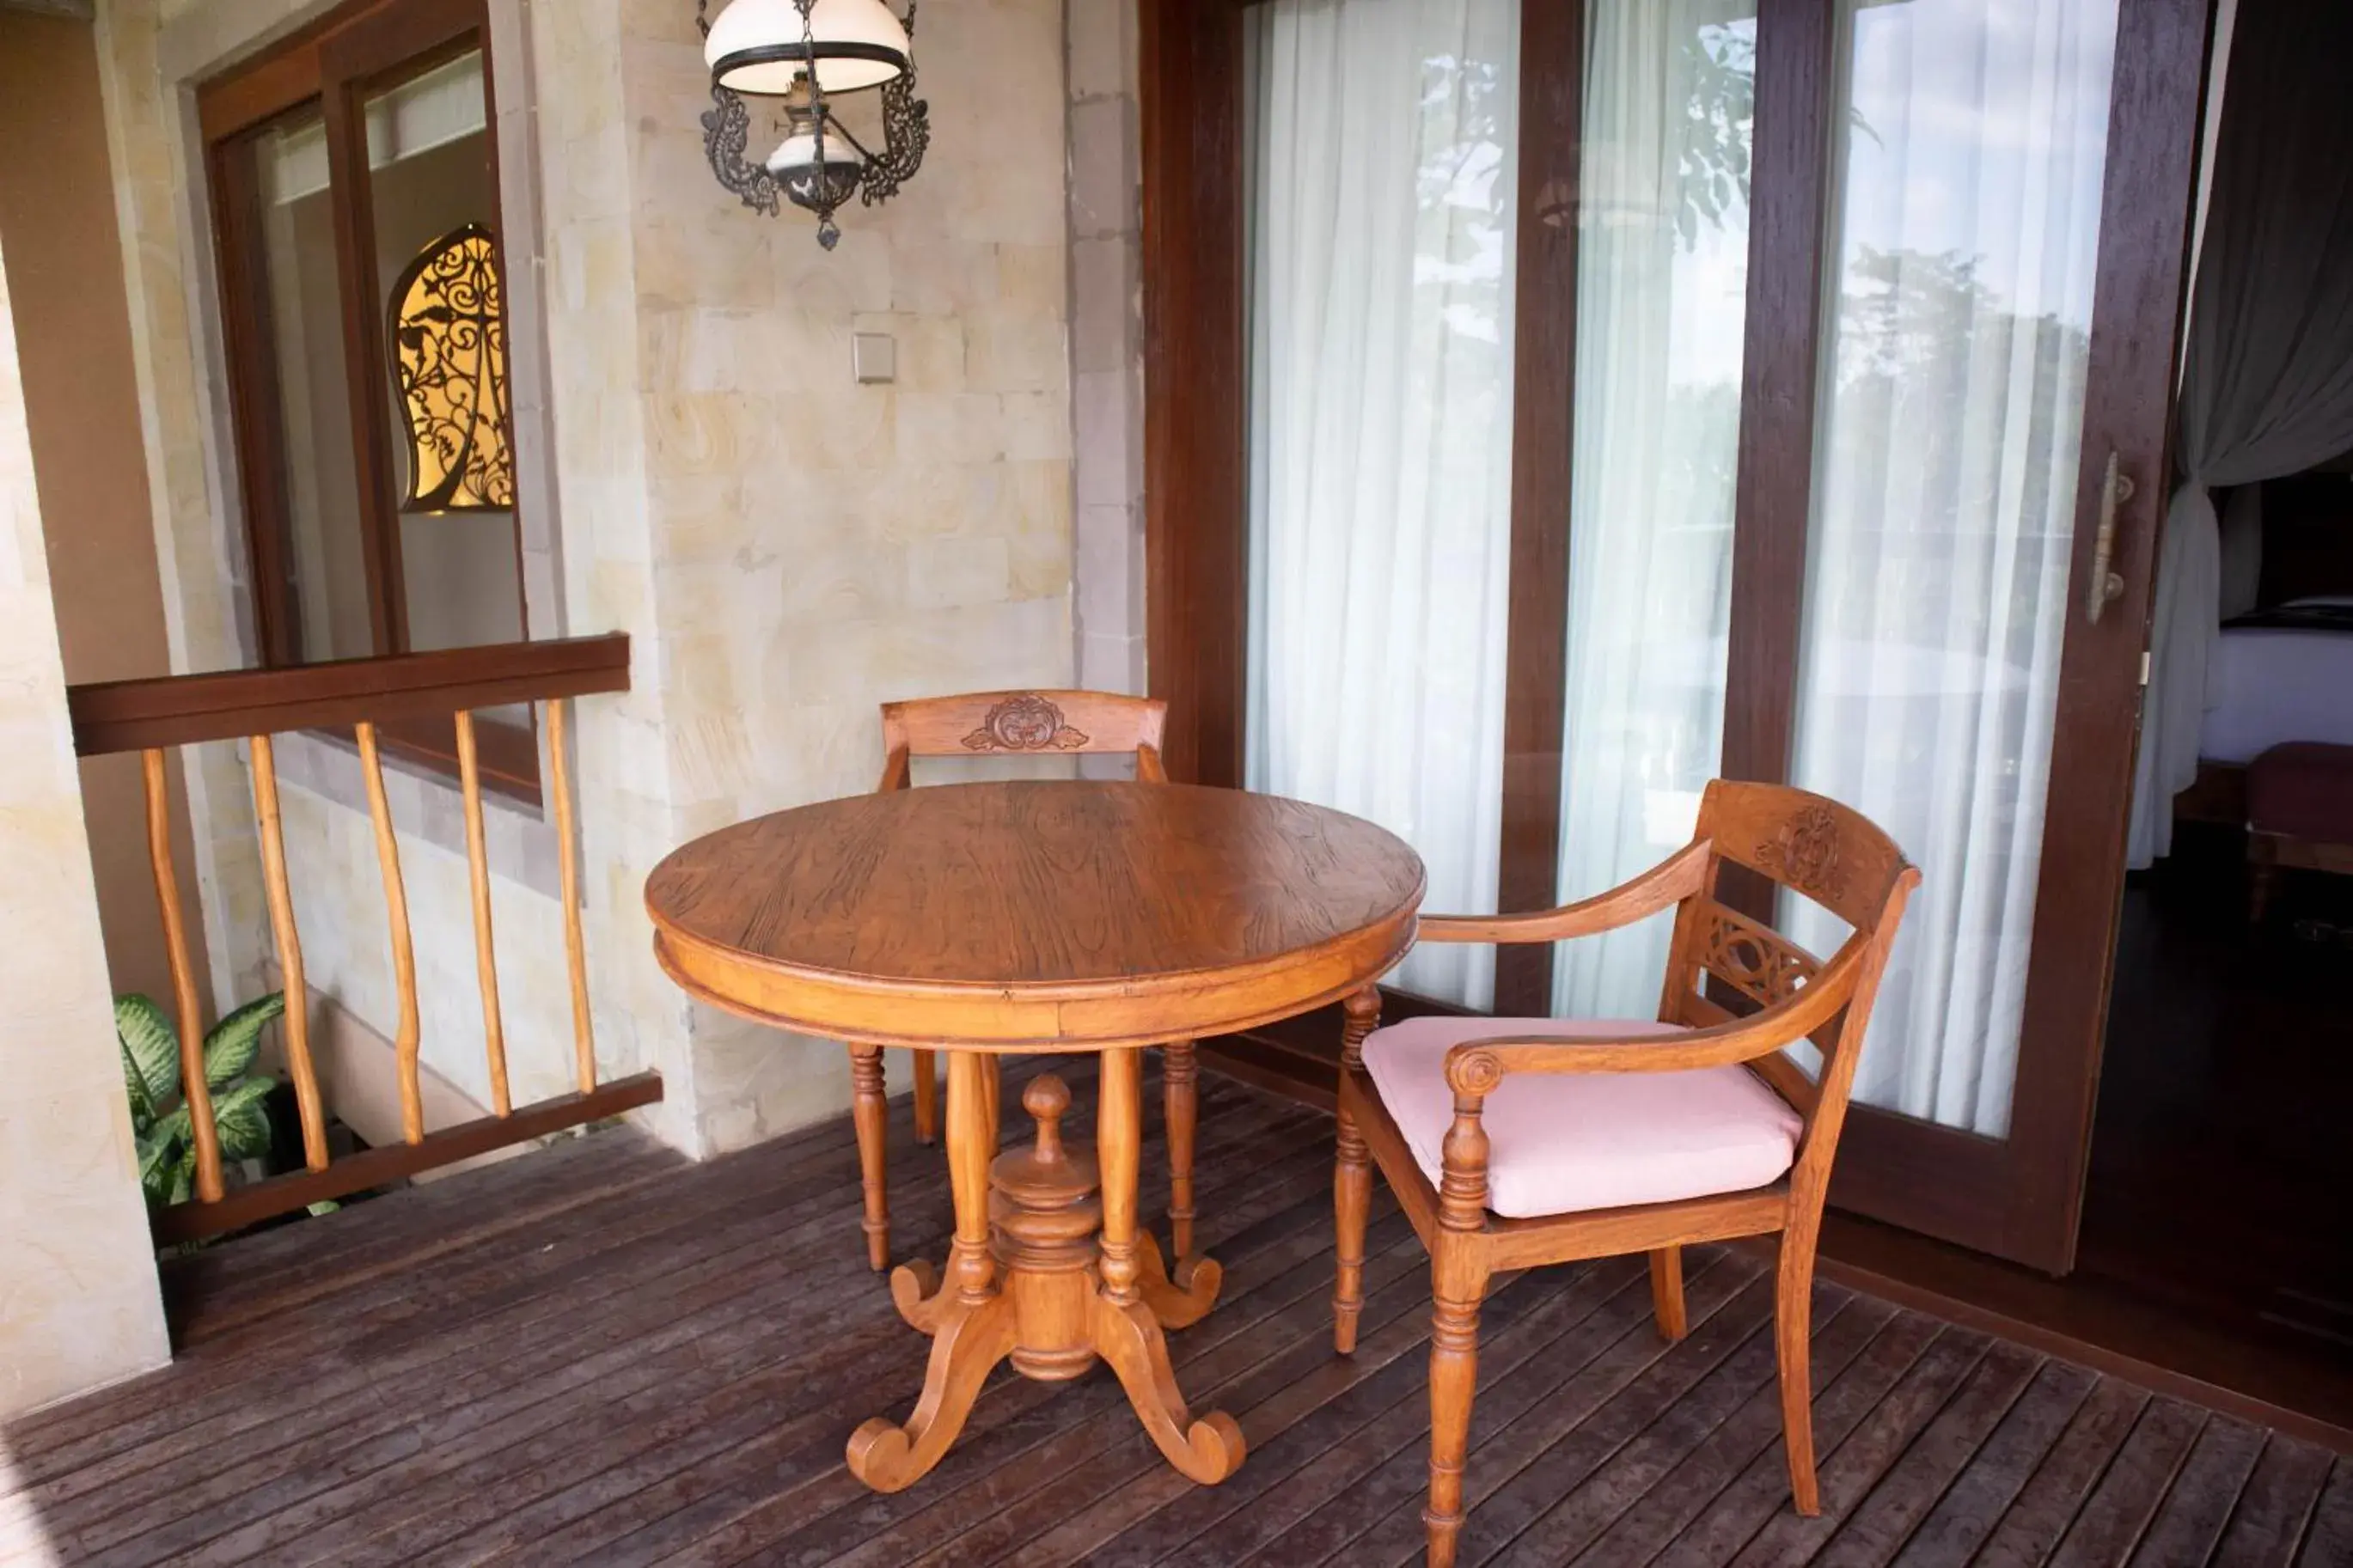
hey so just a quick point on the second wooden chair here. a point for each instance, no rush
(1512, 1142)
(994, 723)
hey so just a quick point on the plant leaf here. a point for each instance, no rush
(234, 1042)
(150, 1046)
(155, 1164)
(174, 1126)
(134, 1085)
(244, 1127)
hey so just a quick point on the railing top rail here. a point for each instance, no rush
(179, 709)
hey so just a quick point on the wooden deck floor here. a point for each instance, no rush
(601, 1354)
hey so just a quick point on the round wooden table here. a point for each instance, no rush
(992, 919)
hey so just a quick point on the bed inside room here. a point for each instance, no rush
(2275, 741)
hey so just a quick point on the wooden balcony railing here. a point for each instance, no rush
(147, 716)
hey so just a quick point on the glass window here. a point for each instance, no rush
(1383, 144)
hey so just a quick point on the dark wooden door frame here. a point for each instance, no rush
(1197, 381)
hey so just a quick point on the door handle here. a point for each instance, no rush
(2108, 583)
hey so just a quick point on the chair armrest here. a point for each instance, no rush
(1475, 1066)
(1669, 882)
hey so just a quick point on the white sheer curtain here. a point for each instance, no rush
(2267, 378)
(1943, 500)
(1383, 153)
(1663, 265)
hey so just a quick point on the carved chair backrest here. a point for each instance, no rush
(1049, 723)
(1823, 851)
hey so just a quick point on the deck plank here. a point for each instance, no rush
(1884, 1522)
(1966, 1515)
(1739, 1392)
(2328, 1535)
(2047, 1505)
(2119, 1511)
(2275, 1506)
(600, 1353)
(2188, 1523)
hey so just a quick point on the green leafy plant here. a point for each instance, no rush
(159, 1114)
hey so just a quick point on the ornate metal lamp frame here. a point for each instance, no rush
(876, 176)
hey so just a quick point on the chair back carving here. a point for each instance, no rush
(1823, 851)
(1047, 724)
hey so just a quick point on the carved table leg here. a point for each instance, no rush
(927, 1096)
(1181, 1098)
(1126, 1332)
(1175, 1306)
(976, 1324)
(870, 1113)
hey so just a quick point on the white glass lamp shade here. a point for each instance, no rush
(758, 47)
(807, 182)
(798, 151)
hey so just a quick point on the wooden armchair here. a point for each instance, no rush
(982, 723)
(1514, 1141)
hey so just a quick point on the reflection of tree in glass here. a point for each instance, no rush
(1954, 443)
(1721, 62)
(1464, 167)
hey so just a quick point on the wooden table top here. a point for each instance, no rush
(1021, 914)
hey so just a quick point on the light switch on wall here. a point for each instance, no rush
(874, 356)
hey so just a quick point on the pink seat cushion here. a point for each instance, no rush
(1566, 1143)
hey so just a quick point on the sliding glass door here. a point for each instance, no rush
(1644, 391)
(2002, 241)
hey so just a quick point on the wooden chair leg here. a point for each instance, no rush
(2263, 878)
(927, 1096)
(1453, 1380)
(1792, 1339)
(1352, 1177)
(869, 1111)
(1180, 1073)
(1667, 1292)
(1352, 1197)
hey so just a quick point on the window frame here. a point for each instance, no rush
(331, 68)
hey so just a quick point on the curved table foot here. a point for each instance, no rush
(970, 1342)
(1206, 1450)
(915, 1291)
(1180, 1301)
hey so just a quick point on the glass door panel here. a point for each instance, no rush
(1969, 158)
(1382, 151)
(430, 174)
(279, 177)
(1661, 281)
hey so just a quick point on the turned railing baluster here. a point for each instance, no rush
(289, 954)
(486, 962)
(406, 1041)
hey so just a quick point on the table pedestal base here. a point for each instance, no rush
(1061, 1283)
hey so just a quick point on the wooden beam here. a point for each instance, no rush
(177, 710)
(392, 1161)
